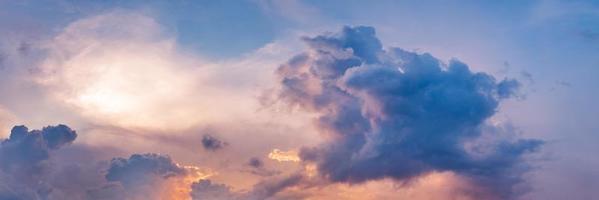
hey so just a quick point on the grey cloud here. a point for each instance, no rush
(399, 114)
(27, 149)
(257, 168)
(35, 165)
(212, 143)
(23, 160)
(140, 169)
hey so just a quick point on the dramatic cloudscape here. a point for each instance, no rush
(299, 100)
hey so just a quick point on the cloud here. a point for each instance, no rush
(151, 176)
(7, 119)
(141, 169)
(255, 162)
(257, 167)
(23, 159)
(36, 165)
(399, 114)
(123, 68)
(207, 190)
(211, 143)
(26, 149)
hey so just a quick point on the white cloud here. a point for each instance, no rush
(125, 70)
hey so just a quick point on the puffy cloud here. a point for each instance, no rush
(399, 114)
(283, 156)
(123, 68)
(26, 149)
(150, 176)
(206, 190)
(140, 169)
(257, 167)
(212, 143)
(271, 187)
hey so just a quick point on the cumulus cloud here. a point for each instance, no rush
(35, 165)
(23, 159)
(255, 162)
(207, 190)
(139, 169)
(146, 176)
(284, 156)
(399, 114)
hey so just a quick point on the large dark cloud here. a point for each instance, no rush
(400, 114)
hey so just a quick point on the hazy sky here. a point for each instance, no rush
(260, 99)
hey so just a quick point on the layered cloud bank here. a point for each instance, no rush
(399, 114)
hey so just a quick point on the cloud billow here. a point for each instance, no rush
(400, 114)
(140, 169)
(26, 149)
(266, 189)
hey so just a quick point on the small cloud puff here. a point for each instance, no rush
(212, 143)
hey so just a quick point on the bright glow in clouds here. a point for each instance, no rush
(129, 75)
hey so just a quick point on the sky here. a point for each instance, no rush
(286, 100)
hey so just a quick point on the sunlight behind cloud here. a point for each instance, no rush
(132, 76)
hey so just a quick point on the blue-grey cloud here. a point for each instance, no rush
(140, 169)
(399, 114)
(207, 190)
(255, 162)
(267, 189)
(29, 169)
(257, 167)
(212, 143)
(23, 160)
(25, 150)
